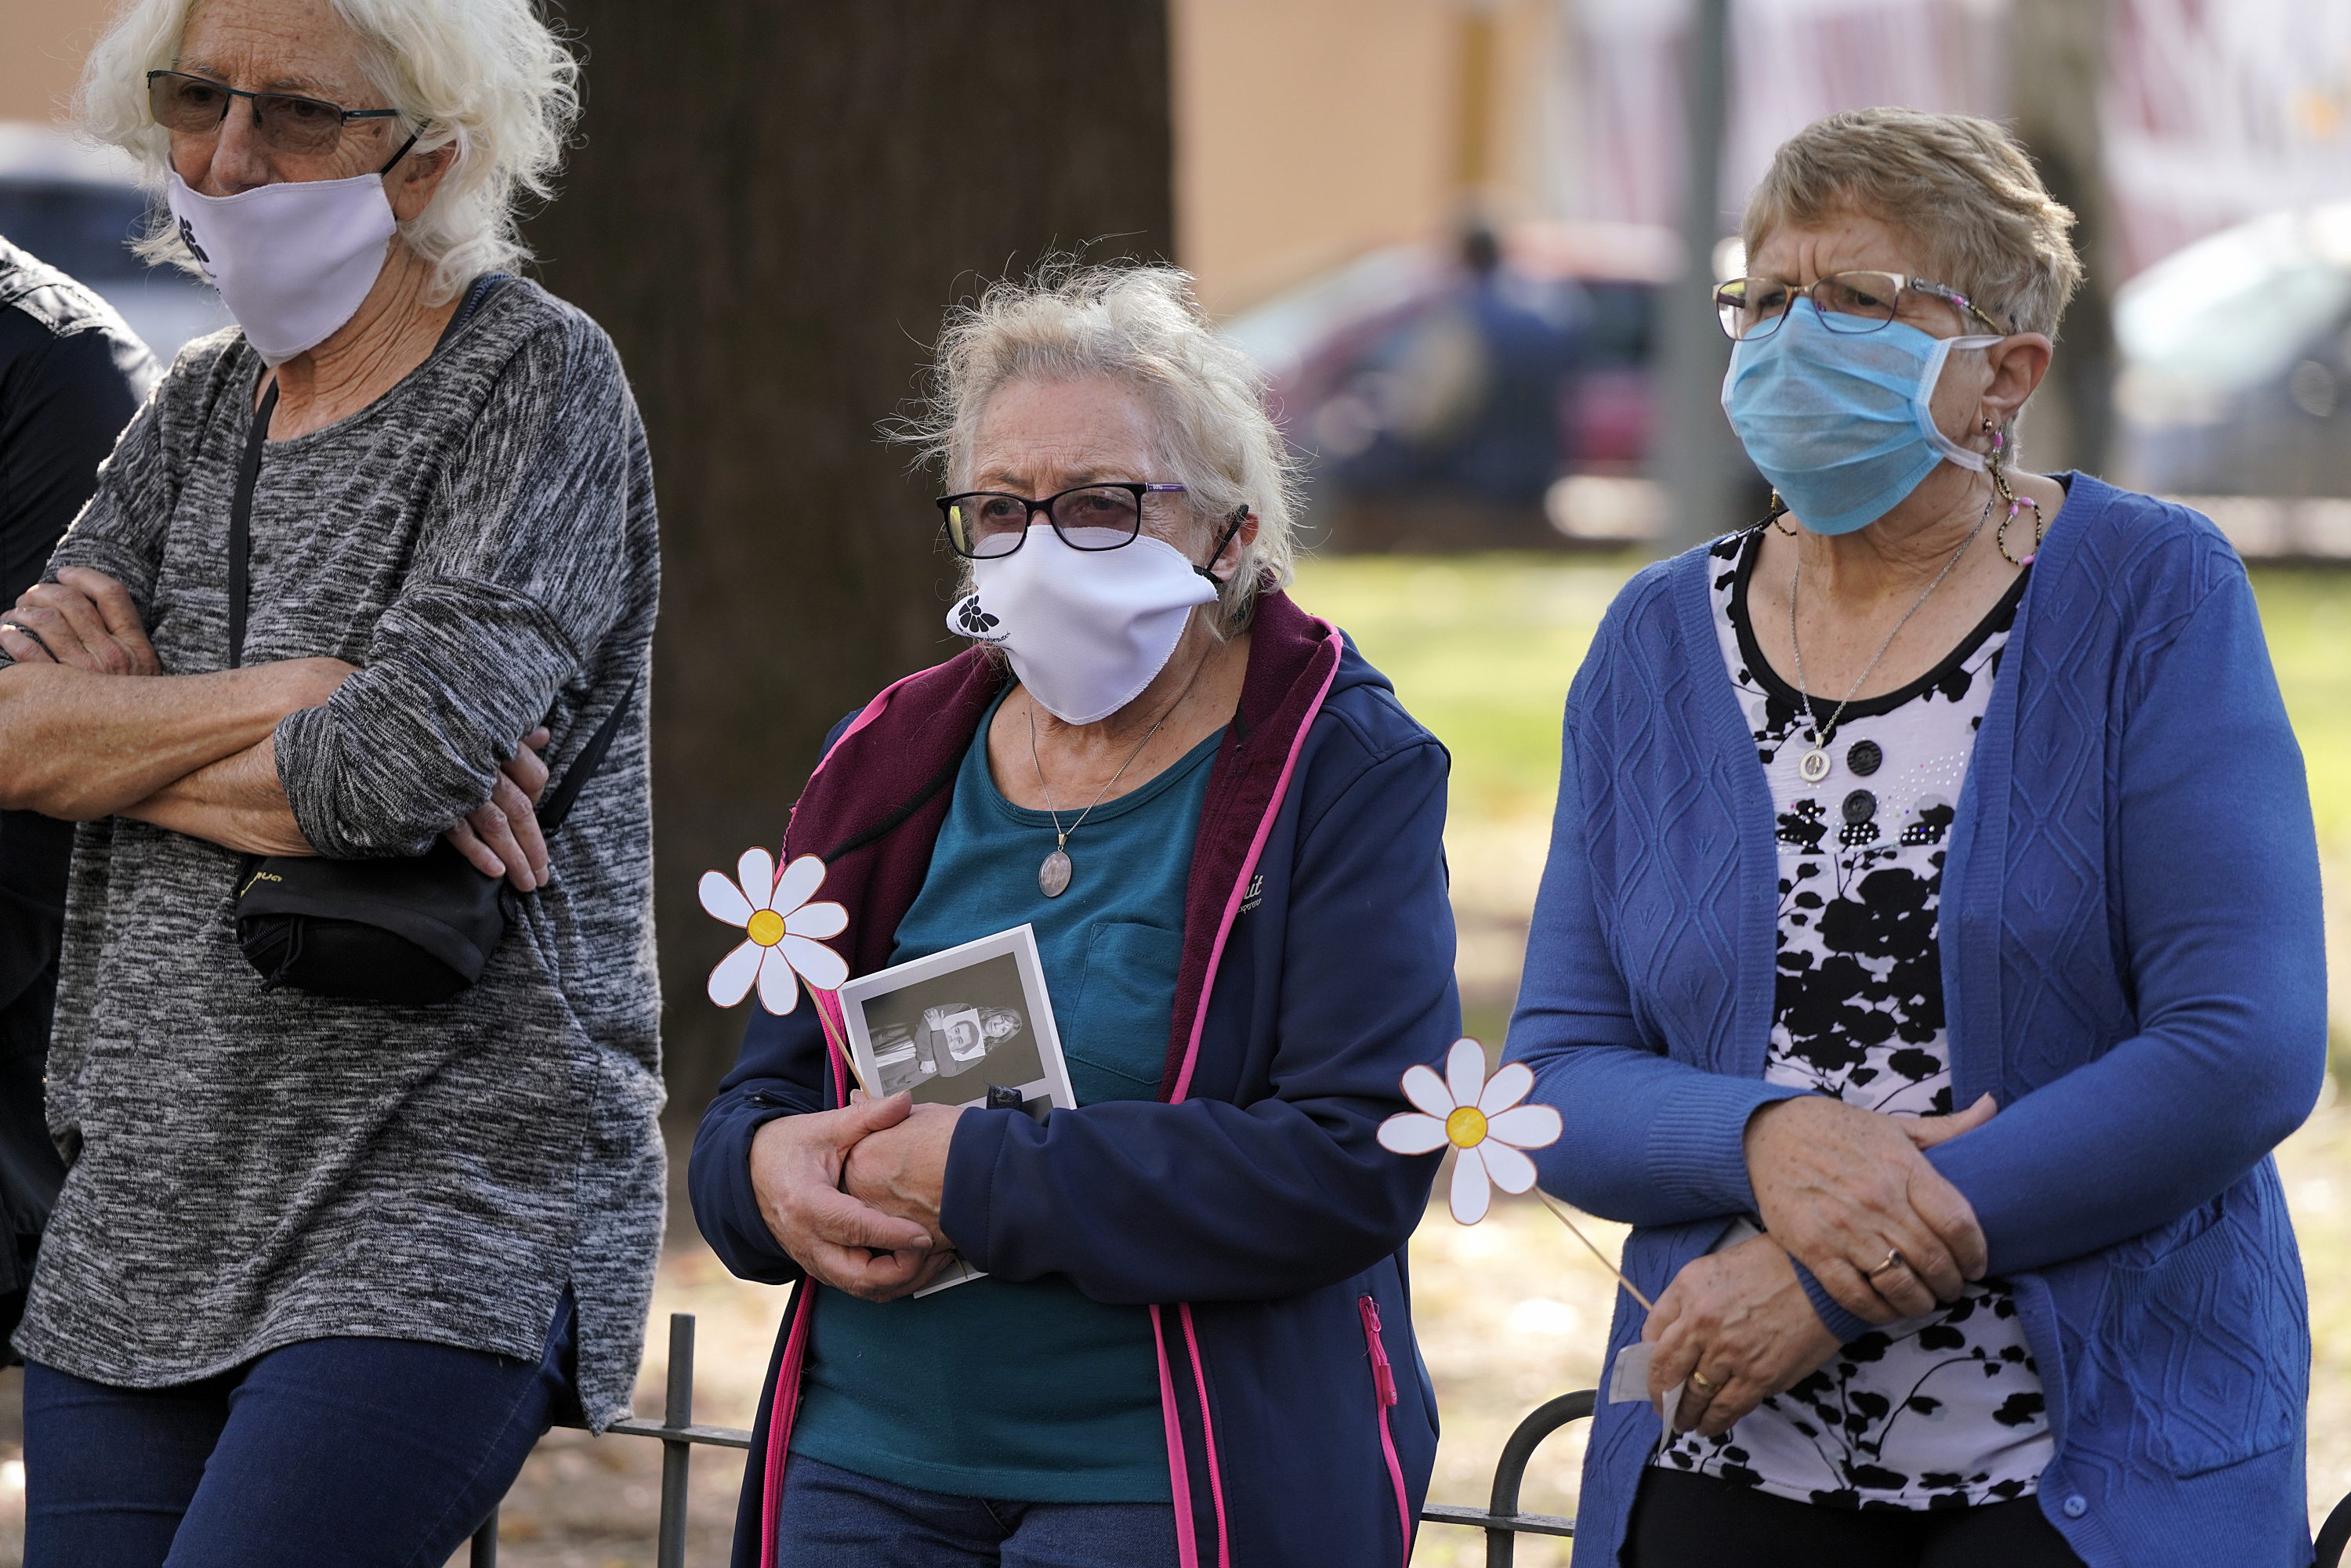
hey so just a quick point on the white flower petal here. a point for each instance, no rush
(730, 982)
(823, 969)
(1506, 1088)
(1465, 1071)
(779, 989)
(1470, 1192)
(724, 902)
(799, 884)
(1425, 1089)
(1525, 1127)
(756, 870)
(1512, 1170)
(816, 919)
(1410, 1133)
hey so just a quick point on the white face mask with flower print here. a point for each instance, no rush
(293, 261)
(1086, 630)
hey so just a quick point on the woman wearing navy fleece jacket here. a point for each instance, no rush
(1194, 1343)
(1930, 954)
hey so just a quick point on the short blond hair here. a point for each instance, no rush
(1142, 326)
(1960, 184)
(487, 75)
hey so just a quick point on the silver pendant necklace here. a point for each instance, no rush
(1813, 765)
(1054, 872)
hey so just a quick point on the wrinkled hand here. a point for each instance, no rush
(1840, 1186)
(903, 1170)
(1740, 1318)
(85, 620)
(502, 837)
(796, 1170)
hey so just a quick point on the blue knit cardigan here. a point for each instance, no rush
(2132, 964)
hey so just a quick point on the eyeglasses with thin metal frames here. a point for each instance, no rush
(181, 102)
(1731, 302)
(947, 506)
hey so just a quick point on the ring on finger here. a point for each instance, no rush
(1704, 1383)
(1894, 1260)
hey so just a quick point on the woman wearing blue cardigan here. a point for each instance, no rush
(1929, 956)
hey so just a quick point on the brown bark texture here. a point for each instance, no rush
(770, 207)
(2057, 59)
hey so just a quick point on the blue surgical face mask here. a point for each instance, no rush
(1840, 422)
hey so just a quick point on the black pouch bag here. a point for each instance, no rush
(409, 931)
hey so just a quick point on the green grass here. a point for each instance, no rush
(1481, 649)
(2307, 618)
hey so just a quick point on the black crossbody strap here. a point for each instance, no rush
(240, 525)
(558, 806)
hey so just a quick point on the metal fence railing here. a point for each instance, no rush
(677, 1434)
(1500, 1519)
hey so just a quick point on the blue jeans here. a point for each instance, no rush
(330, 1453)
(834, 1518)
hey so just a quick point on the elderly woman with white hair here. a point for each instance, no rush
(351, 1215)
(1929, 956)
(1193, 1343)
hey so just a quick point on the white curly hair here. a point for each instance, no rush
(487, 75)
(1141, 326)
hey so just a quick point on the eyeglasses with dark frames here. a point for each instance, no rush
(985, 524)
(289, 122)
(1753, 308)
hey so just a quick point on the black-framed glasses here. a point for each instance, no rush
(1751, 307)
(195, 106)
(982, 523)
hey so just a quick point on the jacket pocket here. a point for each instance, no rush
(2214, 1335)
(1116, 1032)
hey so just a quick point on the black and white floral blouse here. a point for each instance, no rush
(1945, 1410)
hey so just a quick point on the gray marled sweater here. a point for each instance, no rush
(258, 1168)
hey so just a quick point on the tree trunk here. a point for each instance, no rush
(771, 207)
(2058, 57)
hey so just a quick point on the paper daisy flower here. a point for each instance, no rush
(1481, 1118)
(782, 926)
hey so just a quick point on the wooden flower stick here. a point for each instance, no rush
(1647, 1305)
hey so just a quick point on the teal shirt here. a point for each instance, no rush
(1030, 1392)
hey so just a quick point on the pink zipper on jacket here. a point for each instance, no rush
(1187, 1550)
(1383, 1387)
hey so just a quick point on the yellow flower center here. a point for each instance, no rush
(765, 927)
(1466, 1127)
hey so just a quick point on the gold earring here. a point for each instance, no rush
(1996, 465)
(1778, 509)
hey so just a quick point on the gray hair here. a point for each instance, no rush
(1961, 185)
(486, 74)
(1141, 326)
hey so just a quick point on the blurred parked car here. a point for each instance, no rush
(79, 208)
(1492, 392)
(2235, 392)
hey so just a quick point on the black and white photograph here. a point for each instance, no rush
(957, 1024)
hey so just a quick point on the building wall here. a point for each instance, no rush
(1310, 130)
(41, 47)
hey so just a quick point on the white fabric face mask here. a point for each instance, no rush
(293, 260)
(1086, 630)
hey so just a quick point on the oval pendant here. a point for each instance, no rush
(1814, 765)
(1053, 875)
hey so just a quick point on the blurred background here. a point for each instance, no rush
(1469, 240)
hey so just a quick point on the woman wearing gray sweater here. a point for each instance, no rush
(323, 1269)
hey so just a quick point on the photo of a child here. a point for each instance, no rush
(950, 1027)
(948, 1040)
